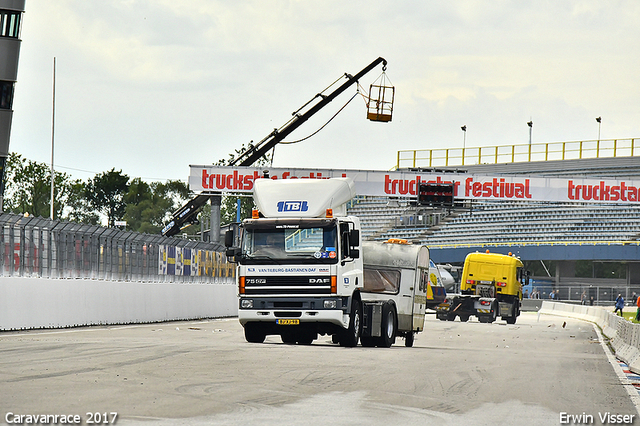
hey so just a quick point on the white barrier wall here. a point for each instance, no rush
(624, 335)
(28, 303)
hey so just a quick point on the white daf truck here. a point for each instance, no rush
(303, 271)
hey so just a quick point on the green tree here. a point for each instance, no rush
(150, 205)
(106, 192)
(77, 208)
(28, 187)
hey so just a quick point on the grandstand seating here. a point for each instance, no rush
(376, 214)
(503, 222)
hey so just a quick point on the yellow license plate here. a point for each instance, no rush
(288, 321)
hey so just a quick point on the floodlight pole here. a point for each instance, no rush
(53, 124)
(464, 141)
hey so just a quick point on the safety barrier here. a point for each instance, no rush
(624, 336)
(34, 303)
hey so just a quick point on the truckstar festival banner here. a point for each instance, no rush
(218, 179)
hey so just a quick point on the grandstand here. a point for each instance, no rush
(536, 230)
(527, 222)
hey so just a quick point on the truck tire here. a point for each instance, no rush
(494, 312)
(389, 326)
(464, 317)
(253, 333)
(351, 335)
(516, 313)
(408, 339)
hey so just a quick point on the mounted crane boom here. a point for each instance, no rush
(186, 215)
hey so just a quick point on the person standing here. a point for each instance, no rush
(638, 310)
(619, 304)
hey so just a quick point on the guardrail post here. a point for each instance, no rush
(546, 152)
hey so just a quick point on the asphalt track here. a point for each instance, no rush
(204, 373)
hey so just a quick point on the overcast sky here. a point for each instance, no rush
(152, 86)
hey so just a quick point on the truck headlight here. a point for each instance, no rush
(246, 303)
(330, 304)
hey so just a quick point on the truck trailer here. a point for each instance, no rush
(303, 270)
(491, 287)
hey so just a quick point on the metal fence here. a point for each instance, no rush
(38, 247)
(588, 294)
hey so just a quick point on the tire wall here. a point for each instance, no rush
(32, 303)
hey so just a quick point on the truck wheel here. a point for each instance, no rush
(253, 333)
(492, 316)
(408, 339)
(352, 334)
(516, 312)
(464, 317)
(389, 327)
(495, 311)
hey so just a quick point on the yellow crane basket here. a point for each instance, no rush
(380, 101)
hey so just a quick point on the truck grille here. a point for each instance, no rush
(320, 285)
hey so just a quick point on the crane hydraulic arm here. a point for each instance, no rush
(187, 214)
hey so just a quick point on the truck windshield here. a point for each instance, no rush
(300, 241)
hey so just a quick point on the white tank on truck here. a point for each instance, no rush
(303, 271)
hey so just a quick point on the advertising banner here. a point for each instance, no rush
(218, 179)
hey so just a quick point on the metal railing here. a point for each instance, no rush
(38, 247)
(532, 243)
(603, 148)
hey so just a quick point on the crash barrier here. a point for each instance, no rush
(623, 335)
(33, 303)
(56, 274)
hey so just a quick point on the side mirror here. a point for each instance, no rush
(228, 239)
(354, 238)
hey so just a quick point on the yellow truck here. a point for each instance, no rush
(491, 287)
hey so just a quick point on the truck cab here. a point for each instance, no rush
(299, 266)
